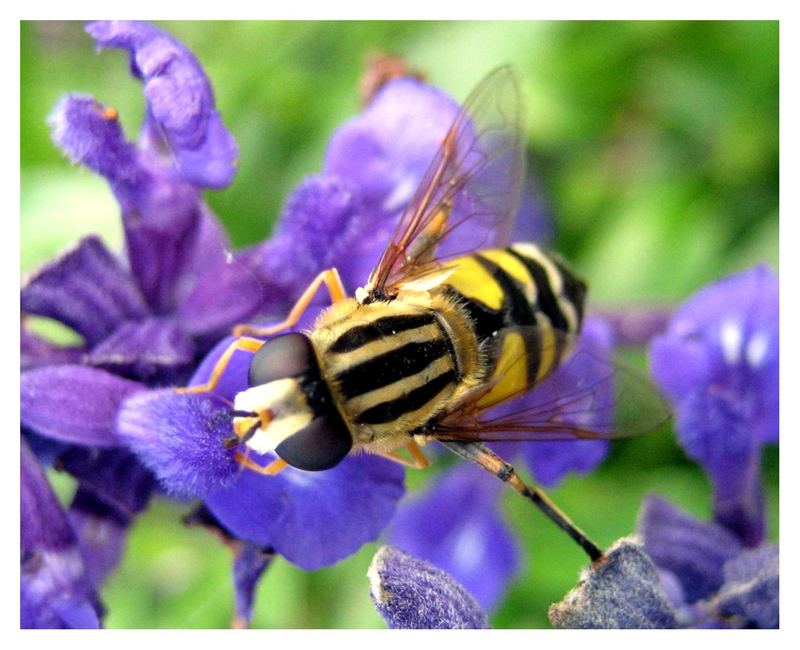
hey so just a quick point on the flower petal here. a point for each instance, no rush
(749, 596)
(89, 133)
(36, 351)
(87, 289)
(180, 100)
(726, 334)
(620, 591)
(383, 154)
(153, 350)
(411, 594)
(226, 293)
(109, 480)
(162, 213)
(715, 432)
(249, 565)
(386, 150)
(636, 325)
(455, 525)
(718, 361)
(323, 224)
(179, 437)
(313, 519)
(693, 551)
(54, 589)
(102, 536)
(74, 403)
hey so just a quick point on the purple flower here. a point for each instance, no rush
(718, 363)
(149, 317)
(411, 594)
(711, 578)
(249, 564)
(180, 101)
(56, 589)
(621, 590)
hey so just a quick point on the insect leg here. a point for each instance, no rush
(244, 344)
(336, 290)
(275, 467)
(491, 462)
(418, 458)
(418, 455)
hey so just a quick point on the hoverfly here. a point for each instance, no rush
(440, 334)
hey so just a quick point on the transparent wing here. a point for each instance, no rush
(475, 178)
(593, 395)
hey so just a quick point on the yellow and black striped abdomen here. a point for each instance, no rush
(391, 366)
(525, 306)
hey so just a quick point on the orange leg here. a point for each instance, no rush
(243, 344)
(336, 291)
(418, 455)
(276, 466)
(418, 459)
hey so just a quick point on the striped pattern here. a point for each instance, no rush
(391, 371)
(524, 291)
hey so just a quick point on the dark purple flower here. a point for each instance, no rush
(180, 100)
(149, 317)
(621, 590)
(712, 579)
(249, 564)
(74, 404)
(456, 525)
(56, 589)
(718, 363)
(152, 316)
(411, 594)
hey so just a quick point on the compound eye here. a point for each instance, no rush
(321, 445)
(288, 355)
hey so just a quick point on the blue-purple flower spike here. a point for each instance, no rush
(621, 590)
(718, 363)
(411, 594)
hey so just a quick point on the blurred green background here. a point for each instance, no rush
(655, 145)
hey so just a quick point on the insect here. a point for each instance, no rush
(450, 324)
